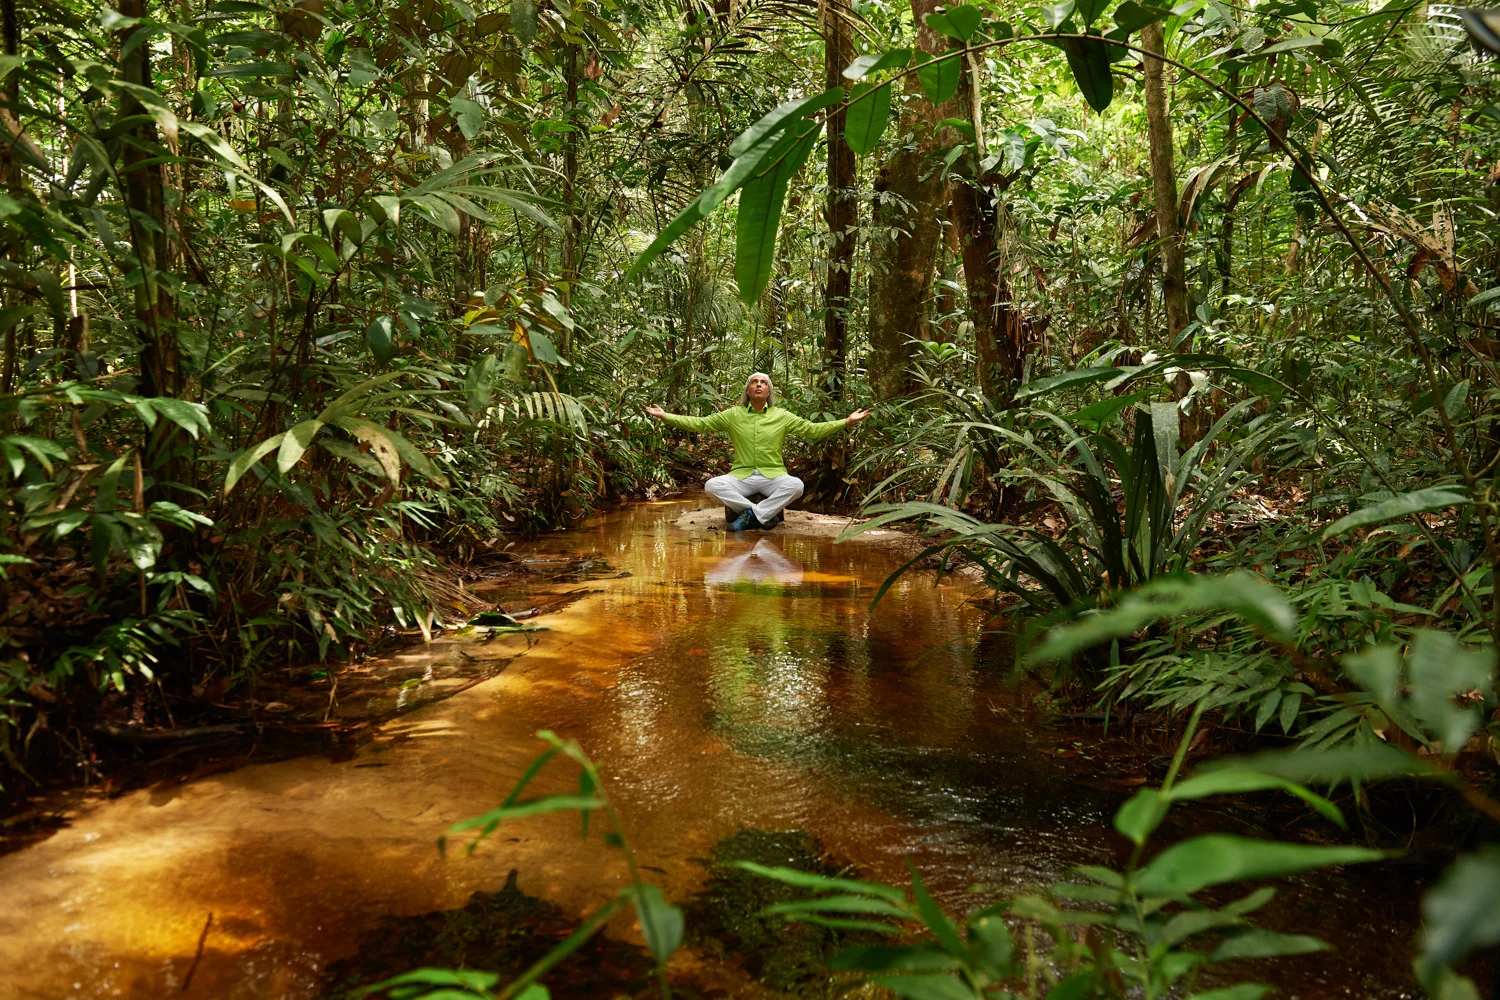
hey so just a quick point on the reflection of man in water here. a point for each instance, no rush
(758, 488)
(762, 564)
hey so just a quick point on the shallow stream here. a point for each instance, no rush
(722, 683)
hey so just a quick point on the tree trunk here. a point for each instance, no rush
(10, 177)
(842, 211)
(1164, 185)
(1231, 196)
(573, 225)
(909, 198)
(145, 198)
(1000, 330)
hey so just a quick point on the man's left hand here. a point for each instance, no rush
(856, 416)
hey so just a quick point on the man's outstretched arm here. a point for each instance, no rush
(813, 431)
(709, 423)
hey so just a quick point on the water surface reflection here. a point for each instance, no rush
(763, 563)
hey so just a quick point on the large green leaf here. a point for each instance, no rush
(243, 463)
(753, 153)
(1441, 671)
(960, 23)
(1372, 762)
(782, 118)
(1241, 593)
(685, 220)
(1089, 10)
(873, 62)
(1217, 858)
(759, 217)
(807, 880)
(1239, 780)
(378, 336)
(939, 77)
(1141, 814)
(933, 916)
(1088, 58)
(846, 903)
(295, 442)
(1432, 498)
(523, 20)
(468, 115)
(866, 117)
(1080, 376)
(1131, 16)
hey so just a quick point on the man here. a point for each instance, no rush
(757, 429)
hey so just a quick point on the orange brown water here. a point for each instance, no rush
(724, 683)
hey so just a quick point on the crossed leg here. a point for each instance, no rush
(765, 496)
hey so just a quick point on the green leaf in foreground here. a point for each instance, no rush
(1088, 58)
(1241, 593)
(1266, 944)
(1080, 376)
(1217, 858)
(866, 117)
(661, 922)
(1239, 780)
(939, 77)
(1433, 498)
(761, 202)
(1141, 814)
(807, 880)
(378, 337)
(1462, 912)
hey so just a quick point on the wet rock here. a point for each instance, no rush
(794, 522)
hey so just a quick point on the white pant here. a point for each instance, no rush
(736, 494)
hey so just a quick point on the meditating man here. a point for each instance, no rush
(758, 488)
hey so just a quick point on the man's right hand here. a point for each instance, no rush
(656, 411)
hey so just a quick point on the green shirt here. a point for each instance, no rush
(757, 437)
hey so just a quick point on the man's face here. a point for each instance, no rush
(759, 389)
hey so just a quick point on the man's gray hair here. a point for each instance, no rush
(745, 396)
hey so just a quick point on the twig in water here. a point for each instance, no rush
(198, 957)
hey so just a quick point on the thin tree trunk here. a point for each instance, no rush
(1231, 197)
(1164, 185)
(572, 228)
(145, 198)
(909, 203)
(842, 211)
(1000, 330)
(10, 174)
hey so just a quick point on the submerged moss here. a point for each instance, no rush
(502, 932)
(789, 957)
(508, 930)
